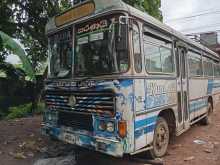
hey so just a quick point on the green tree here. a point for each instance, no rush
(152, 7)
(15, 48)
(26, 20)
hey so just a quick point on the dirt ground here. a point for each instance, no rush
(22, 144)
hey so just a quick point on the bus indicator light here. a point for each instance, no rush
(122, 128)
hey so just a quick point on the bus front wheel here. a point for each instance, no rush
(208, 119)
(161, 139)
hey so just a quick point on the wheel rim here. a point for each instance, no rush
(162, 140)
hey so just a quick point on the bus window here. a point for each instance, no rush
(96, 50)
(166, 60)
(61, 54)
(152, 58)
(158, 58)
(208, 66)
(218, 75)
(137, 49)
(195, 64)
(216, 70)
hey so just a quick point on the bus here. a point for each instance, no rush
(121, 82)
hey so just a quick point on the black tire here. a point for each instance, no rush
(161, 139)
(208, 119)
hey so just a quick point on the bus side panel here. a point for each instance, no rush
(158, 95)
(139, 104)
(125, 110)
(198, 90)
(216, 92)
(144, 129)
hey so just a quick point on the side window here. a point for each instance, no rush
(158, 56)
(217, 70)
(208, 66)
(166, 60)
(137, 48)
(195, 64)
(152, 58)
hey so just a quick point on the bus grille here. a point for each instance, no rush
(75, 121)
(102, 102)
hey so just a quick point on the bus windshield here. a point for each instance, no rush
(96, 50)
(61, 54)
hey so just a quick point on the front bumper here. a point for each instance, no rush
(80, 138)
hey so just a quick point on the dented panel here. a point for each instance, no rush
(83, 117)
(151, 94)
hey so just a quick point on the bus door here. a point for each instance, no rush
(182, 88)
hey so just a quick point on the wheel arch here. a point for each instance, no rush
(169, 116)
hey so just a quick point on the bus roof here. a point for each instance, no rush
(152, 21)
(104, 6)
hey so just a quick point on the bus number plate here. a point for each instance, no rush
(69, 138)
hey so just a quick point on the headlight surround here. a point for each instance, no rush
(110, 127)
(102, 125)
(50, 117)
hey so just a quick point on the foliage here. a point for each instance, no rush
(3, 112)
(11, 72)
(6, 102)
(3, 52)
(26, 20)
(11, 45)
(152, 7)
(24, 111)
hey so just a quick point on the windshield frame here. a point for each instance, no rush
(60, 43)
(127, 52)
(73, 25)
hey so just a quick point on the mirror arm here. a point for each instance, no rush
(126, 18)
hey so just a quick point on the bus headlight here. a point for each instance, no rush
(50, 117)
(102, 126)
(110, 127)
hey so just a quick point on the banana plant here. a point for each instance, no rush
(10, 44)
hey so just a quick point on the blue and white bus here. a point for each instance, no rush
(121, 82)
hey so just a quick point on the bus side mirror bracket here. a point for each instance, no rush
(122, 36)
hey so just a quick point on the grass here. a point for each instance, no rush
(24, 111)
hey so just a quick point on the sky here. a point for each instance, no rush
(13, 59)
(192, 16)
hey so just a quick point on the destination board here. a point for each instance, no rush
(75, 13)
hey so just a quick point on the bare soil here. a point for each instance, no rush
(22, 144)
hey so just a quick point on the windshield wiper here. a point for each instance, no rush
(63, 73)
(85, 78)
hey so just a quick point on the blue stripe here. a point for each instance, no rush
(144, 122)
(198, 105)
(143, 131)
